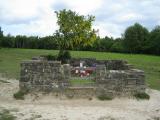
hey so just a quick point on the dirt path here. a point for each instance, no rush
(47, 107)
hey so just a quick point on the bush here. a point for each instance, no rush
(64, 56)
(104, 97)
(142, 96)
(7, 42)
(50, 57)
(20, 94)
(5, 115)
(90, 98)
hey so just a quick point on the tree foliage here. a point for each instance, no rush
(135, 38)
(1, 35)
(153, 44)
(7, 41)
(74, 29)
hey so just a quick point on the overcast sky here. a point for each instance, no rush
(37, 17)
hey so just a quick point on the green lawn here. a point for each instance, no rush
(81, 82)
(10, 61)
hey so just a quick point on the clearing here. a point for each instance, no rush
(10, 61)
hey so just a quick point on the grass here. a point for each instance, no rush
(3, 81)
(142, 96)
(104, 97)
(10, 61)
(6, 115)
(20, 94)
(81, 82)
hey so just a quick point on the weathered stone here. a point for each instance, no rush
(120, 82)
(40, 74)
(113, 77)
(80, 92)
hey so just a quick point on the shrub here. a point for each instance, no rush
(70, 96)
(142, 96)
(20, 94)
(5, 115)
(3, 81)
(105, 97)
(64, 56)
(90, 98)
(50, 57)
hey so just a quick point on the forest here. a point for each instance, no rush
(135, 39)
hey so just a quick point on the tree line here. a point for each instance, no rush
(135, 39)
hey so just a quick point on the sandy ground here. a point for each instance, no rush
(47, 107)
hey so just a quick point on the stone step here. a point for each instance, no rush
(129, 66)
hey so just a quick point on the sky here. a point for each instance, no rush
(37, 17)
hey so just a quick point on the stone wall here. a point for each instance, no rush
(109, 64)
(43, 75)
(119, 82)
(80, 92)
(113, 78)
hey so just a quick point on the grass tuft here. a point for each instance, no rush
(49, 57)
(5, 115)
(3, 81)
(104, 97)
(142, 96)
(20, 94)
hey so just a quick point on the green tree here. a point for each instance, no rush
(135, 38)
(48, 42)
(20, 41)
(117, 46)
(74, 30)
(106, 43)
(1, 35)
(8, 41)
(32, 42)
(153, 43)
